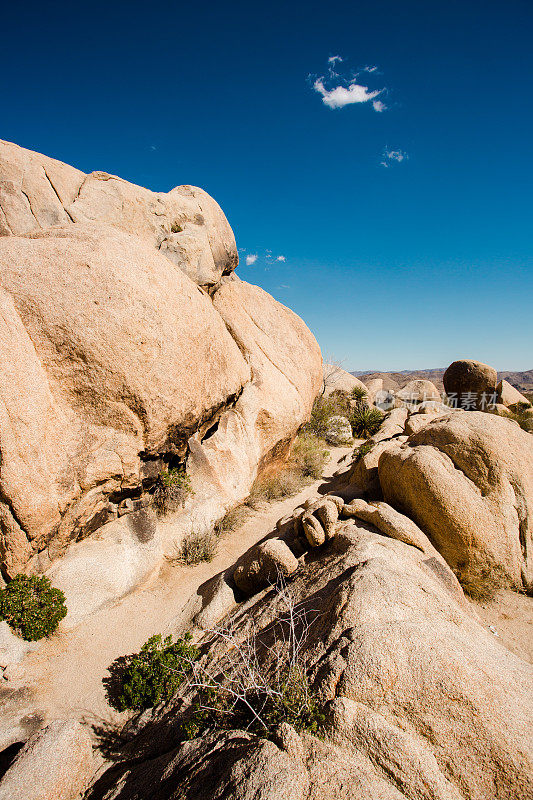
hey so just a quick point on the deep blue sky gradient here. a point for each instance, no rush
(409, 266)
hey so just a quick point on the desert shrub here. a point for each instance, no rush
(274, 487)
(309, 456)
(197, 547)
(481, 582)
(154, 674)
(323, 409)
(176, 228)
(341, 402)
(359, 393)
(258, 682)
(336, 404)
(172, 488)
(521, 415)
(363, 450)
(307, 460)
(232, 520)
(32, 606)
(366, 421)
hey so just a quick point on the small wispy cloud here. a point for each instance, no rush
(341, 96)
(393, 156)
(347, 90)
(251, 258)
(281, 258)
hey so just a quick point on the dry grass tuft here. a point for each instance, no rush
(482, 582)
(229, 523)
(195, 548)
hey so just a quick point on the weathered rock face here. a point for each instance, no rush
(373, 387)
(418, 391)
(467, 481)
(336, 378)
(339, 431)
(401, 664)
(470, 383)
(111, 355)
(186, 225)
(509, 396)
(55, 764)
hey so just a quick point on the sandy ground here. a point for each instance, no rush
(63, 678)
(509, 617)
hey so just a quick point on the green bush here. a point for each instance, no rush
(309, 455)
(176, 228)
(336, 404)
(32, 606)
(521, 414)
(154, 674)
(366, 421)
(362, 451)
(172, 488)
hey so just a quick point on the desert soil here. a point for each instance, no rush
(510, 618)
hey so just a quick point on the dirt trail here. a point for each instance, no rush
(63, 678)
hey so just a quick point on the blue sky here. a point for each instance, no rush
(408, 265)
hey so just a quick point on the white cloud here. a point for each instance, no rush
(251, 259)
(348, 90)
(281, 258)
(389, 156)
(342, 96)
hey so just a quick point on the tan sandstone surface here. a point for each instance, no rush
(115, 360)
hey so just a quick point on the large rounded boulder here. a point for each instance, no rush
(467, 481)
(418, 391)
(127, 343)
(470, 384)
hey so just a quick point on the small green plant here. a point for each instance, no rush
(525, 421)
(309, 455)
(359, 393)
(154, 674)
(363, 450)
(172, 488)
(366, 421)
(32, 606)
(176, 228)
(197, 547)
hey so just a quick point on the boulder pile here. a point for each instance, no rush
(127, 344)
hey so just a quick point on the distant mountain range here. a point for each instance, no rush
(523, 381)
